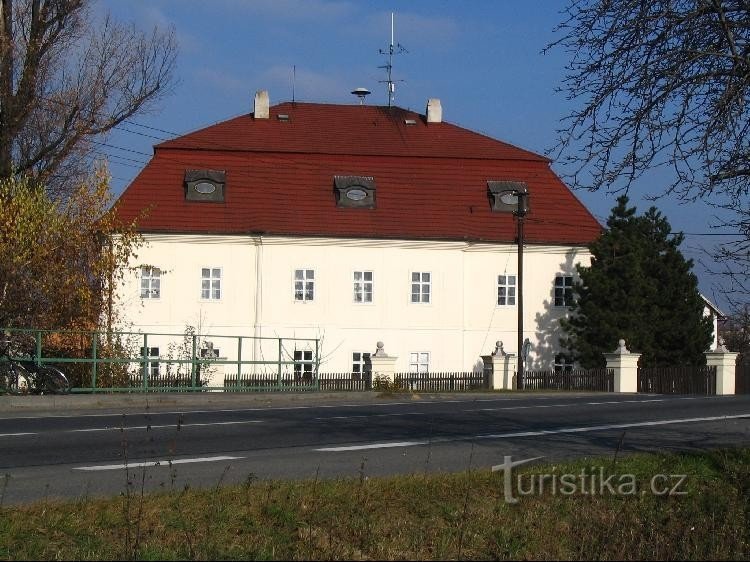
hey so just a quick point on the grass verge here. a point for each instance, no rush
(421, 516)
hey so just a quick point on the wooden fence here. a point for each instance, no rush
(443, 381)
(742, 375)
(574, 379)
(677, 380)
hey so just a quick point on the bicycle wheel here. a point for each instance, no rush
(53, 380)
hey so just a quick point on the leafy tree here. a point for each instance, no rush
(66, 79)
(664, 83)
(62, 258)
(638, 287)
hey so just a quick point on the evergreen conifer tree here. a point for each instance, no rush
(639, 287)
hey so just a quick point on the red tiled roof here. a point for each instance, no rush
(431, 179)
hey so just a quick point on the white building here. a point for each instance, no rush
(351, 224)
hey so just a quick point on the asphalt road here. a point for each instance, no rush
(70, 454)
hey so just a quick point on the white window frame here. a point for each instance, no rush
(561, 364)
(303, 363)
(152, 366)
(510, 290)
(420, 283)
(359, 286)
(419, 362)
(361, 363)
(565, 288)
(304, 281)
(152, 277)
(211, 279)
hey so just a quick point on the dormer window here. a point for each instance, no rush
(355, 191)
(205, 185)
(504, 196)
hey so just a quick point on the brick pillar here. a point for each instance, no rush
(625, 365)
(725, 362)
(383, 365)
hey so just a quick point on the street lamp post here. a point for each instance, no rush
(513, 197)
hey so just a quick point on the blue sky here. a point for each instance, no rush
(482, 58)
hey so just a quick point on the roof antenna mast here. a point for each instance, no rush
(393, 49)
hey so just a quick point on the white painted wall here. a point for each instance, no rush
(460, 323)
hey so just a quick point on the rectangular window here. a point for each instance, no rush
(211, 283)
(150, 282)
(304, 285)
(303, 364)
(563, 364)
(151, 367)
(506, 290)
(421, 285)
(563, 290)
(360, 364)
(363, 283)
(419, 362)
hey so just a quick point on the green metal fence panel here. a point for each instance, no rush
(98, 361)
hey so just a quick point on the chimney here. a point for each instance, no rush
(261, 104)
(434, 111)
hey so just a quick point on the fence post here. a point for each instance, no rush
(144, 361)
(239, 358)
(625, 365)
(278, 375)
(383, 365)
(725, 362)
(94, 339)
(38, 337)
(503, 367)
(193, 363)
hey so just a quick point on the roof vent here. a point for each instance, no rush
(282, 117)
(409, 122)
(434, 111)
(261, 104)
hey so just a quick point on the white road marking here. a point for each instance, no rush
(530, 433)
(569, 405)
(167, 426)
(15, 434)
(372, 446)
(373, 416)
(153, 463)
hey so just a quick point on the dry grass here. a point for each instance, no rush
(451, 516)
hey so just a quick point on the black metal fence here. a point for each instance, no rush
(447, 381)
(677, 380)
(575, 379)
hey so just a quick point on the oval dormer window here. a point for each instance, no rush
(356, 194)
(205, 188)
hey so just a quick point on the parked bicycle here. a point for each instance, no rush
(25, 376)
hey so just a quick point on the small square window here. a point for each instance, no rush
(506, 290)
(211, 283)
(563, 364)
(419, 362)
(303, 364)
(361, 364)
(152, 365)
(150, 282)
(563, 290)
(421, 287)
(363, 286)
(304, 285)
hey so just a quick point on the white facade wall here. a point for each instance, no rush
(461, 323)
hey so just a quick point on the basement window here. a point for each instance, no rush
(205, 185)
(354, 191)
